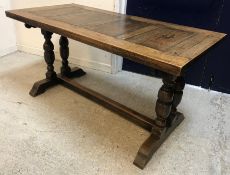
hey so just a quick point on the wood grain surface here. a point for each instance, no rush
(164, 46)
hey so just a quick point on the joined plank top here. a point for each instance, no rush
(164, 46)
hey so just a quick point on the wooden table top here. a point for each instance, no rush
(164, 46)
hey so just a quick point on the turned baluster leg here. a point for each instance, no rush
(51, 76)
(64, 52)
(164, 104)
(169, 97)
(49, 55)
(178, 93)
(65, 68)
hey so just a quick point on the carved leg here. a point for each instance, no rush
(65, 69)
(167, 120)
(178, 93)
(51, 77)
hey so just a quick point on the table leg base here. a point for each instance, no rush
(41, 86)
(75, 73)
(150, 146)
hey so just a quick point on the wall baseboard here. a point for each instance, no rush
(31, 50)
(120, 6)
(117, 62)
(81, 62)
(8, 50)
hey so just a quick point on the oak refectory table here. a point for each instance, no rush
(169, 48)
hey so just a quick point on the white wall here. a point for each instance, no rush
(7, 30)
(31, 40)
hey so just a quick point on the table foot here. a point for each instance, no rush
(150, 146)
(41, 86)
(65, 68)
(75, 73)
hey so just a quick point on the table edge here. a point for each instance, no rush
(151, 61)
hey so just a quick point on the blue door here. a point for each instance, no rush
(213, 70)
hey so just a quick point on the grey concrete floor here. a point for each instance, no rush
(63, 133)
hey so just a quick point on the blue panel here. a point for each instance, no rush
(218, 65)
(206, 14)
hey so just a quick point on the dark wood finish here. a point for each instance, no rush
(153, 142)
(164, 102)
(49, 55)
(164, 46)
(41, 86)
(169, 97)
(64, 52)
(178, 93)
(51, 77)
(127, 113)
(167, 47)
